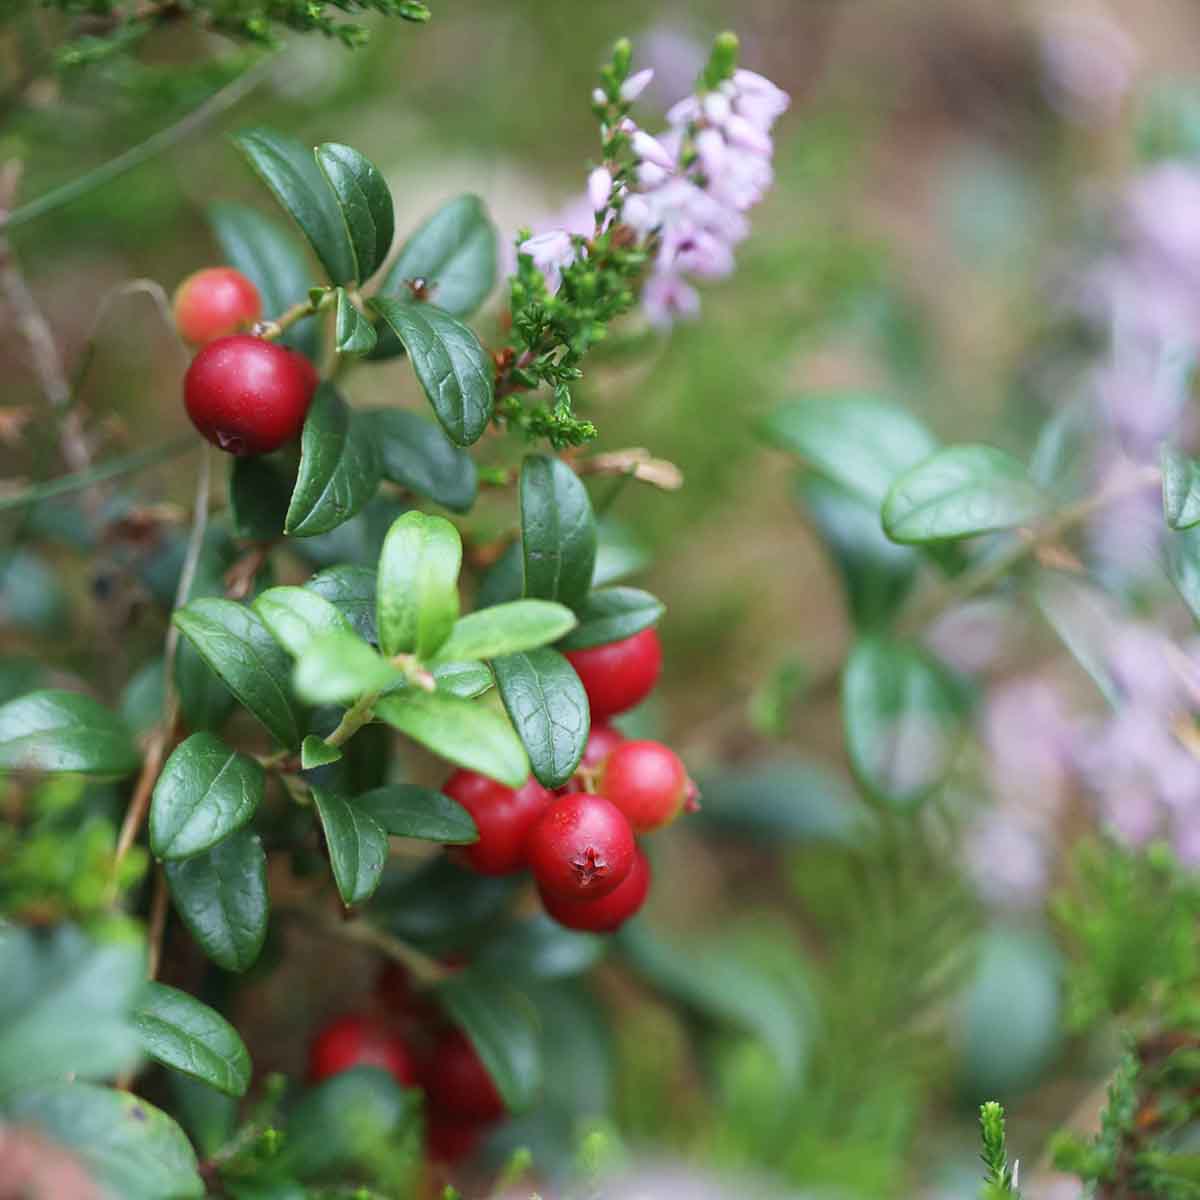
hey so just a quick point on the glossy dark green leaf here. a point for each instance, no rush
(365, 201)
(417, 455)
(353, 333)
(540, 948)
(295, 616)
(239, 648)
(417, 584)
(133, 1150)
(351, 590)
(64, 1006)
(1180, 488)
(317, 752)
(453, 369)
(558, 531)
(904, 717)
(406, 810)
(289, 169)
(959, 492)
(271, 257)
(53, 730)
(337, 668)
(259, 494)
(856, 440)
(465, 679)
(339, 466)
(357, 843)
(463, 732)
(611, 615)
(205, 792)
(185, 1034)
(203, 697)
(358, 541)
(221, 895)
(499, 1023)
(506, 629)
(209, 1117)
(549, 710)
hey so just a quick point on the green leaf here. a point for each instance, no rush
(365, 203)
(339, 466)
(259, 493)
(54, 730)
(238, 647)
(185, 1034)
(855, 440)
(208, 1117)
(288, 168)
(506, 629)
(417, 585)
(1085, 622)
(133, 1150)
(453, 253)
(338, 668)
(611, 615)
(549, 710)
(358, 845)
(295, 616)
(504, 580)
(221, 895)
(558, 531)
(405, 810)
(351, 590)
(204, 793)
(539, 948)
(417, 455)
(460, 731)
(1180, 488)
(499, 1024)
(64, 1006)
(203, 697)
(1182, 550)
(353, 333)
(960, 492)
(465, 679)
(276, 263)
(317, 752)
(903, 718)
(453, 369)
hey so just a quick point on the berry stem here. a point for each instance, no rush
(270, 330)
(353, 719)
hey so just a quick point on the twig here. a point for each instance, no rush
(157, 925)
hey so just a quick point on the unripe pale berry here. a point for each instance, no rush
(610, 912)
(582, 848)
(247, 395)
(357, 1041)
(214, 303)
(457, 1083)
(619, 675)
(647, 782)
(504, 818)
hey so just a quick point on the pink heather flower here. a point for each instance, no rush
(550, 253)
(636, 84)
(1007, 861)
(667, 298)
(1160, 215)
(1089, 63)
(710, 147)
(599, 188)
(716, 108)
(684, 112)
(748, 136)
(650, 149)
(598, 96)
(1030, 739)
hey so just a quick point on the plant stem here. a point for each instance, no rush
(353, 719)
(425, 969)
(279, 325)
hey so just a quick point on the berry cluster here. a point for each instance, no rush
(245, 394)
(581, 843)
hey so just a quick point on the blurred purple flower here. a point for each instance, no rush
(970, 637)
(1089, 64)
(636, 84)
(1007, 860)
(1029, 735)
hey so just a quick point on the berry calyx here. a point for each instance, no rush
(357, 1041)
(581, 848)
(457, 1084)
(247, 395)
(619, 675)
(602, 741)
(648, 782)
(504, 818)
(610, 912)
(213, 303)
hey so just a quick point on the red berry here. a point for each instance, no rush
(582, 848)
(214, 303)
(610, 912)
(457, 1083)
(619, 675)
(449, 1140)
(647, 782)
(503, 817)
(602, 741)
(247, 395)
(356, 1041)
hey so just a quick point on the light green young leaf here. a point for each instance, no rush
(506, 629)
(295, 616)
(417, 585)
(338, 668)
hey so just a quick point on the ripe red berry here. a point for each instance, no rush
(610, 912)
(602, 741)
(449, 1140)
(582, 848)
(457, 1083)
(356, 1041)
(619, 675)
(647, 782)
(247, 395)
(214, 303)
(503, 817)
